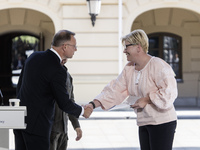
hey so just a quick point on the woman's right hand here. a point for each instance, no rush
(141, 103)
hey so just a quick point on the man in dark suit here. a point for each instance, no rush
(59, 136)
(42, 81)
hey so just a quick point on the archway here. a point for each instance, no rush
(20, 25)
(136, 10)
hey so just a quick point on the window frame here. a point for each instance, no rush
(160, 36)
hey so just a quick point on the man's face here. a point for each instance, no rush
(70, 47)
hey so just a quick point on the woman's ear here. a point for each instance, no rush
(138, 48)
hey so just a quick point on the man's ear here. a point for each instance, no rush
(63, 47)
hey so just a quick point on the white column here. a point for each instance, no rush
(120, 51)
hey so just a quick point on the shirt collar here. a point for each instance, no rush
(53, 50)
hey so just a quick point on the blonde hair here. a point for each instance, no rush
(138, 37)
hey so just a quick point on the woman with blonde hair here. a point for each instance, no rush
(150, 85)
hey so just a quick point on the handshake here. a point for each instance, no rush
(88, 109)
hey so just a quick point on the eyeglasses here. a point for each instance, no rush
(125, 46)
(75, 47)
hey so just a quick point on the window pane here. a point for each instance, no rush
(168, 55)
(170, 42)
(153, 42)
(176, 65)
(154, 53)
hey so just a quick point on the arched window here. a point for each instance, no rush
(168, 47)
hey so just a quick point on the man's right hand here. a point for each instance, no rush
(87, 111)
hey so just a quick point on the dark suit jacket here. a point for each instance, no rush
(42, 81)
(60, 124)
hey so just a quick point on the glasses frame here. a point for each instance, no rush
(125, 46)
(75, 47)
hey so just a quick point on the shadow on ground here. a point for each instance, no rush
(133, 148)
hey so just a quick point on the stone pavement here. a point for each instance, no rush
(117, 130)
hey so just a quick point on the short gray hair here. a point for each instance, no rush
(61, 36)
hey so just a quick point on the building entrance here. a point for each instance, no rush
(15, 48)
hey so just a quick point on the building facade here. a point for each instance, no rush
(173, 27)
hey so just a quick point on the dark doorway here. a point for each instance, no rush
(15, 48)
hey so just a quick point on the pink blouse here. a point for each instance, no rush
(155, 80)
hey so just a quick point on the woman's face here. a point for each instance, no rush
(131, 51)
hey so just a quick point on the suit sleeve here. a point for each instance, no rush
(74, 121)
(58, 85)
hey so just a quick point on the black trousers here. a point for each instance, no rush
(27, 141)
(157, 137)
(58, 141)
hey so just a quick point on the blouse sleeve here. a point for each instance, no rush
(166, 93)
(113, 93)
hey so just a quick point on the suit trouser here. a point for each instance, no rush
(58, 141)
(27, 141)
(157, 137)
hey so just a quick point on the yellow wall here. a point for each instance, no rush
(96, 61)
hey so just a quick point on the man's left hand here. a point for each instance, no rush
(79, 134)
